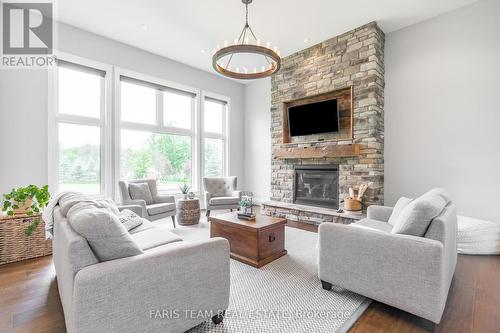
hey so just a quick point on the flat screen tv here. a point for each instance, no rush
(315, 118)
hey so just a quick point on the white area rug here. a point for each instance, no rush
(478, 236)
(283, 296)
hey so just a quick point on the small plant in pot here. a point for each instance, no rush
(246, 205)
(29, 200)
(184, 187)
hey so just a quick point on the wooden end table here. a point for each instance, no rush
(188, 211)
(256, 242)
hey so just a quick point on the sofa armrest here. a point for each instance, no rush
(380, 213)
(135, 208)
(235, 194)
(400, 270)
(164, 199)
(125, 294)
(141, 203)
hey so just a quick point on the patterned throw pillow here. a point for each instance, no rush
(129, 219)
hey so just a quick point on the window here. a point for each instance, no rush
(214, 137)
(160, 130)
(79, 158)
(79, 110)
(138, 103)
(158, 143)
(164, 157)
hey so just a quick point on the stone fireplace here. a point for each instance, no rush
(316, 185)
(350, 68)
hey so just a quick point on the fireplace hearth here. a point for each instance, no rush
(316, 185)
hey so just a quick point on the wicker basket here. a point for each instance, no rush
(352, 204)
(15, 245)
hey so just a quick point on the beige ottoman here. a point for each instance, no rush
(188, 211)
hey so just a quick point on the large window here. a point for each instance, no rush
(156, 140)
(140, 127)
(80, 125)
(214, 137)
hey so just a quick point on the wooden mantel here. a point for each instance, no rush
(316, 151)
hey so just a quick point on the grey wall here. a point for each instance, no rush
(258, 139)
(23, 103)
(442, 113)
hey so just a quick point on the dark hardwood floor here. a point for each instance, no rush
(29, 299)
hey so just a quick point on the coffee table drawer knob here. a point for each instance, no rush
(272, 237)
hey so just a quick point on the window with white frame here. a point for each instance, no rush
(161, 129)
(157, 133)
(214, 137)
(79, 127)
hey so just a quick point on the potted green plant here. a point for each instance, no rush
(246, 205)
(184, 187)
(29, 200)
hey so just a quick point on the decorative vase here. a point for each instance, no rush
(185, 195)
(191, 195)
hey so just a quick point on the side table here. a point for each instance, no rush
(188, 211)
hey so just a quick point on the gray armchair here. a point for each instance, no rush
(408, 272)
(221, 193)
(153, 205)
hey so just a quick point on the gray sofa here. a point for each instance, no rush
(158, 207)
(405, 271)
(149, 292)
(221, 193)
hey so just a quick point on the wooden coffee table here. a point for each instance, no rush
(255, 243)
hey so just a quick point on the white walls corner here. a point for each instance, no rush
(257, 149)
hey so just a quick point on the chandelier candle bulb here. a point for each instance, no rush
(225, 43)
(258, 42)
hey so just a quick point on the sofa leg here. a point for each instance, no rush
(218, 318)
(231, 210)
(173, 220)
(208, 213)
(326, 285)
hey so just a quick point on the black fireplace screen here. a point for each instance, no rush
(317, 185)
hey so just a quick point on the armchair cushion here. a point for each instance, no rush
(220, 186)
(151, 238)
(160, 208)
(373, 224)
(140, 191)
(398, 208)
(224, 201)
(417, 215)
(106, 235)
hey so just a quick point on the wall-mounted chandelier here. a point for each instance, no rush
(247, 42)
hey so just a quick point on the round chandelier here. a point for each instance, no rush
(247, 43)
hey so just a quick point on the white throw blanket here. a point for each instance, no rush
(68, 200)
(48, 214)
(478, 236)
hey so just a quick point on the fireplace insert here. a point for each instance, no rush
(316, 185)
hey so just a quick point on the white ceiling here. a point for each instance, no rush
(180, 30)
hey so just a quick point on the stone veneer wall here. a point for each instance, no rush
(355, 58)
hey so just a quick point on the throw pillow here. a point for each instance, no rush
(141, 191)
(129, 219)
(398, 208)
(442, 193)
(106, 235)
(415, 218)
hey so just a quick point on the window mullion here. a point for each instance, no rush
(159, 108)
